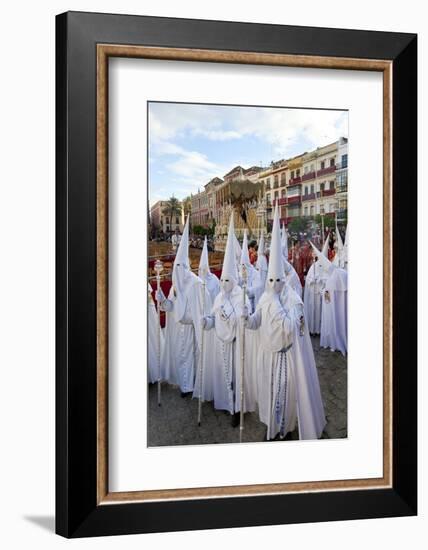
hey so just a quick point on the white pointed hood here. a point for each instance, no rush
(182, 256)
(237, 248)
(245, 257)
(325, 246)
(204, 266)
(261, 247)
(339, 240)
(181, 274)
(261, 263)
(229, 270)
(284, 242)
(323, 260)
(276, 258)
(345, 248)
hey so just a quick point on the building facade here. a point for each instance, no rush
(319, 181)
(342, 181)
(307, 185)
(162, 221)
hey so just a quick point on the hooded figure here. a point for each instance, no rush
(185, 306)
(345, 249)
(292, 278)
(284, 242)
(338, 260)
(314, 285)
(334, 310)
(288, 386)
(261, 264)
(225, 317)
(153, 330)
(325, 246)
(254, 283)
(204, 272)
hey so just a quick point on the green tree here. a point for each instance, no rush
(329, 221)
(200, 230)
(297, 225)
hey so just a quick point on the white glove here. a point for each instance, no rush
(160, 296)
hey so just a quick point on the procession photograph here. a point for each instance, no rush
(248, 260)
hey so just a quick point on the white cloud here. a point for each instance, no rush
(282, 128)
(286, 131)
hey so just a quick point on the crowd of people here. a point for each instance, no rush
(244, 341)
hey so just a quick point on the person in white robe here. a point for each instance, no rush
(339, 257)
(288, 387)
(291, 277)
(253, 281)
(175, 240)
(204, 272)
(345, 250)
(225, 318)
(334, 314)
(284, 241)
(261, 263)
(187, 302)
(155, 335)
(314, 285)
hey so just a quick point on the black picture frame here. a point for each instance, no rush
(77, 511)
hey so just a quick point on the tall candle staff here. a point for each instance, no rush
(241, 401)
(203, 274)
(158, 267)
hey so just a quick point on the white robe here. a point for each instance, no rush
(180, 357)
(292, 279)
(314, 284)
(225, 378)
(275, 390)
(334, 318)
(310, 408)
(288, 385)
(262, 268)
(213, 285)
(153, 332)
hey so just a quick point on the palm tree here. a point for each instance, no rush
(172, 208)
(187, 205)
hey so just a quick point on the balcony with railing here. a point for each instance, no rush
(308, 176)
(295, 199)
(295, 181)
(282, 201)
(308, 197)
(328, 192)
(342, 165)
(328, 170)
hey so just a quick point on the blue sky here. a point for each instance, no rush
(189, 144)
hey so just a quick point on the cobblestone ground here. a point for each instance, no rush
(175, 422)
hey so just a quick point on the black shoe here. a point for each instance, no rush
(186, 394)
(235, 420)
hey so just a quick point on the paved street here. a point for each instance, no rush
(175, 422)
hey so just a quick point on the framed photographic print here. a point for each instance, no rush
(236, 303)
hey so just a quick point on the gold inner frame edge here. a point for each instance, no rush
(104, 51)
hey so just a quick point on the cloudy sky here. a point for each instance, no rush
(189, 144)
